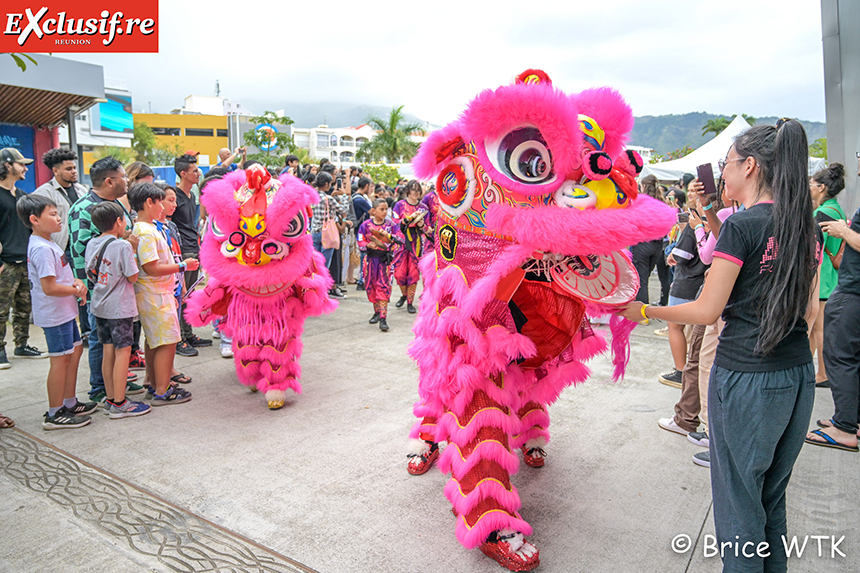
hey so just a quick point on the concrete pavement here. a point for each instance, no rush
(221, 483)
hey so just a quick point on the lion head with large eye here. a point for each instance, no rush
(256, 239)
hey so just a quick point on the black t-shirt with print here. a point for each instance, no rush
(183, 218)
(849, 270)
(746, 238)
(689, 273)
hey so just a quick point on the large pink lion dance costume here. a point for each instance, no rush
(265, 277)
(538, 201)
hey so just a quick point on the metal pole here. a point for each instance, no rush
(71, 113)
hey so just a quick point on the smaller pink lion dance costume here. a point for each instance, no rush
(264, 276)
(537, 202)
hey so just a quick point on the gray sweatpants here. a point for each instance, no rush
(758, 421)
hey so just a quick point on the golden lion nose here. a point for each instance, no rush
(254, 225)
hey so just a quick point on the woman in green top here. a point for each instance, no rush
(824, 186)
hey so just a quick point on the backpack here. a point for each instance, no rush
(93, 273)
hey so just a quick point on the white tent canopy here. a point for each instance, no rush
(711, 152)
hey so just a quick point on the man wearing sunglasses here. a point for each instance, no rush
(109, 184)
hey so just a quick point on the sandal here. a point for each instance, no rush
(6, 422)
(181, 379)
(829, 442)
(829, 424)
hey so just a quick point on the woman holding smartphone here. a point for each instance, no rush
(764, 283)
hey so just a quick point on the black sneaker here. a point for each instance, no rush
(672, 378)
(359, 286)
(702, 459)
(63, 420)
(374, 319)
(185, 349)
(198, 342)
(410, 309)
(699, 438)
(335, 293)
(383, 325)
(28, 351)
(400, 301)
(81, 408)
(4, 362)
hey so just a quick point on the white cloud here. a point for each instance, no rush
(665, 56)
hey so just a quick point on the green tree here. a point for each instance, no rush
(672, 155)
(381, 173)
(716, 125)
(21, 63)
(818, 148)
(278, 144)
(304, 156)
(164, 153)
(144, 141)
(124, 154)
(391, 143)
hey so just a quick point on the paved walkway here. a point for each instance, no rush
(223, 484)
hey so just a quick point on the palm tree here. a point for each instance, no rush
(392, 141)
(716, 125)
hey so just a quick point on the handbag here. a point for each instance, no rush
(836, 259)
(330, 232)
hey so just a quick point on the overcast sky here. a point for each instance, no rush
(762, 58)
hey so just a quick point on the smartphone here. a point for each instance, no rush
(705, 173)
(683, 217)
(697, 214)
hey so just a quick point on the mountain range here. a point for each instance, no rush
(662, 133)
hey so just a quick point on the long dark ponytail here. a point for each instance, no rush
(782, 155)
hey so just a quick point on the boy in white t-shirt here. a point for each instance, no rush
(56, 295)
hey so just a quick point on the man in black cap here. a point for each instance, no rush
(14, 236)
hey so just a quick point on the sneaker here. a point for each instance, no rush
(150, 391)
(410, 309)
(185, 349)
(4, 362)
(130, 376)
(670, 425)
(662, 331)
(216, 334)
(700, 439)
(672, 378)
(137, 361)
(226, 352)
(129, 409)
(63, 420)
(335, 293)
(359, 286)
(400, 302)
(28, 351)
(81, 408)
(99, 397)
(174, 395)
(383, 325)
(197, 342)
(702, 459)
(132, 389)
(374, 319)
